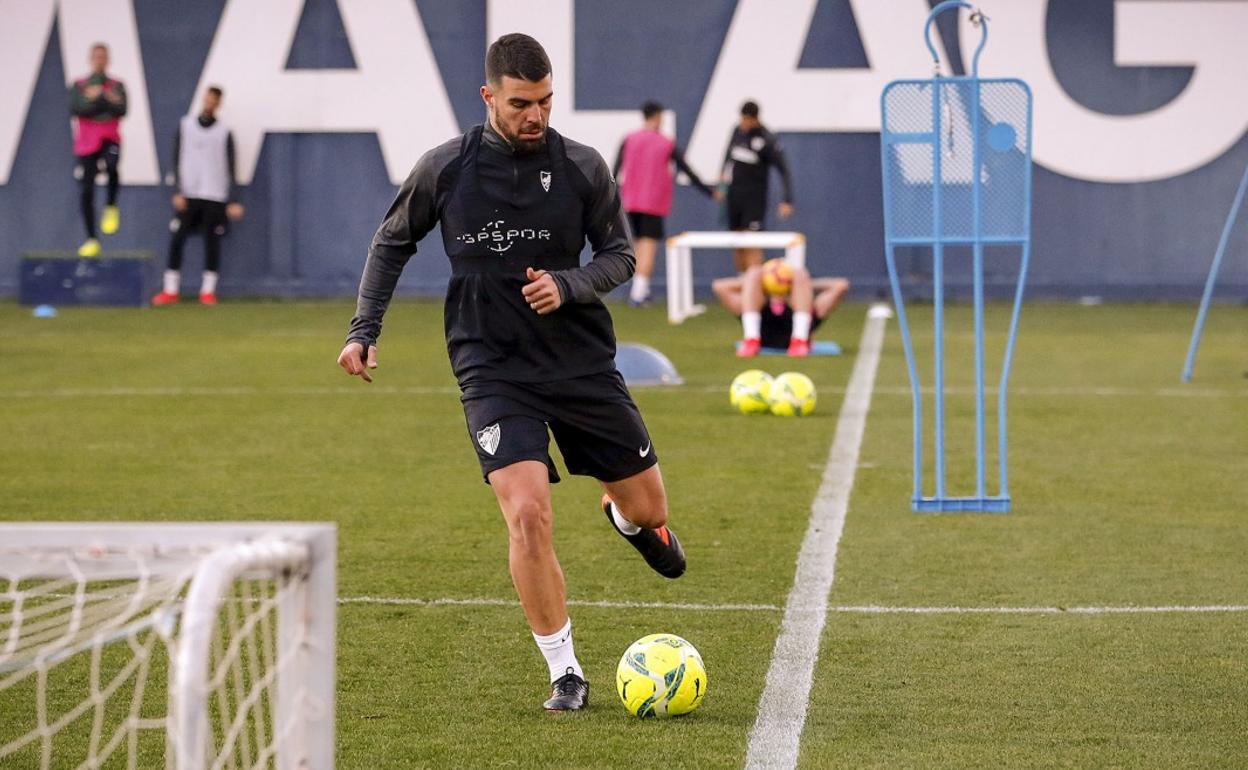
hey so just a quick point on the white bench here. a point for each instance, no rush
(680, 261)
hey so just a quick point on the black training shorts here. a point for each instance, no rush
(645, 225)
(746, 211)
(776, 329)
(593, 418)
(202, 214)
(105, 159)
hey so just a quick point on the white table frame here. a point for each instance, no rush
(680, 248)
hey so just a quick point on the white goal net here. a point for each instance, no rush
(180, 646)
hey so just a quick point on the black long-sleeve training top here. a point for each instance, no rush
(101, 108)
(749, 156)
(502, 212)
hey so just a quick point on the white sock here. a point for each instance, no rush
(801, 324)
(173, 281)
(624, 525)
(640, 288)
(751, 323)
(209, 284)
(557, 648)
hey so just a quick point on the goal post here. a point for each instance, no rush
(189, 645)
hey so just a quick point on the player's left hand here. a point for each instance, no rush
(542, 293)
(785, 210)
(234, 211)
(353, 360)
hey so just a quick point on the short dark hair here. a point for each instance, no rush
(650, 109)
(518, 56)
(97, 46)
(750, 109)
(216, 91)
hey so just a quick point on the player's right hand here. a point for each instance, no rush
(179, 202)
(352, 360)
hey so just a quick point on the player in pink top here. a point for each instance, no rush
(98, 103)
(643, 168)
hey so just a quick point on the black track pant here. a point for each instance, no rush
(105, 159)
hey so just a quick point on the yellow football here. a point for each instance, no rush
(777, 277)
(792, 394)
(660, 675)
(749, 390)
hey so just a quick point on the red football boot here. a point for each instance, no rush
(799, 348)
(164, 298)
(207, 299)
(749, 347)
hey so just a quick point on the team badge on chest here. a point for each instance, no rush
(545, 177)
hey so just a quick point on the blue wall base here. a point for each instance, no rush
(67, 279)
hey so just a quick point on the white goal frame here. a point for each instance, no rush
(305, 617)
(680, 248)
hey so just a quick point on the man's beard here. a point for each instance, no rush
(529, 146)
(520, 146)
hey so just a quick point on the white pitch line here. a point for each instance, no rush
(1091, 391)
(243, 390)
(447, 390)
(776, 736)
(866, 609)
(1119, 610)
(1045, 610)
(599, 603)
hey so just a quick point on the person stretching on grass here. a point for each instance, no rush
(530, 341)
(774, 320)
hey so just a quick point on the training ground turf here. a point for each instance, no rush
(1130, 491)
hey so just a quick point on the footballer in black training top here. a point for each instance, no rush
(529, 338)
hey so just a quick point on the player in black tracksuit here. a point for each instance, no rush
(752, 152)
(529, 338)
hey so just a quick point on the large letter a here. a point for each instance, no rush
(397, 90)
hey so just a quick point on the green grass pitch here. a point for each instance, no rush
(1129, 490)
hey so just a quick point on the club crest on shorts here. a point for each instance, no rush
(545, 177)
(487, 437)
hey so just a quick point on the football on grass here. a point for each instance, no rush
(792, 394)
(660, 675)
(749, 390)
